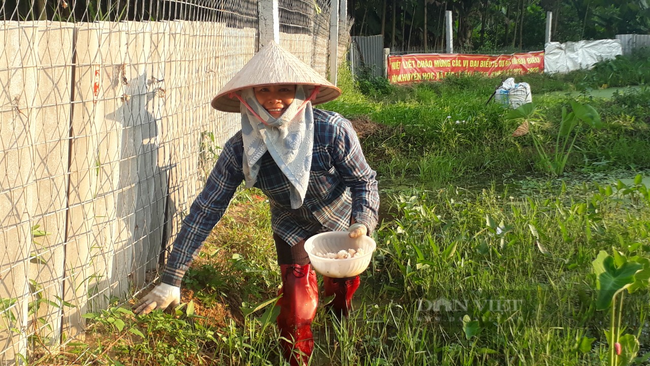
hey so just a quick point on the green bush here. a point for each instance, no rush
(371, 85)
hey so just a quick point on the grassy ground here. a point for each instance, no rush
(485, 257)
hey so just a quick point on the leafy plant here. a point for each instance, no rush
(115, 318)
(555, 157)
(37, 232)
(208, 153)
(637, 191)
(613, 275)
(9, 317)
(371, 85)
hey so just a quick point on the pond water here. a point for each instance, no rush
(596, 93)
(521, 186)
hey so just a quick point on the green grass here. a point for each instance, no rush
(469, 221)
(445, 131)
(528, 294)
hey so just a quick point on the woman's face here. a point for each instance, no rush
(275, 98)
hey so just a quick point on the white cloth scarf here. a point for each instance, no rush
(289, 139)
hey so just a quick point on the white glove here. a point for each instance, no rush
(357, 230)
(160, 297)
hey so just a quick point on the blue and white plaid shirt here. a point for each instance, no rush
(341, 187)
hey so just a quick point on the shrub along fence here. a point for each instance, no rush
(106, 136)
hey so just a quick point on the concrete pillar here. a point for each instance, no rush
(334, 41)
(351, 56)
(18, 184)
(449, 31)
(83, 177)
(344, 14)
(386, 53)
(269, 25)
(549, 22)
(51, 148)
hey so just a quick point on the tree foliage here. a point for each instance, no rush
(490, 25)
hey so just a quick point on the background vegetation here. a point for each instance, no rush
(447, 132)
(488, 25)
(483, 26)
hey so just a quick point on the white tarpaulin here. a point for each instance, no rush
(571, 56)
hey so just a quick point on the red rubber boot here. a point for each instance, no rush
(297, 310)
(342, 289)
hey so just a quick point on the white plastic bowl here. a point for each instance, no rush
(333, 242)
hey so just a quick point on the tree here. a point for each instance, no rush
(493, 24)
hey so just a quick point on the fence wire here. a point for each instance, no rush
(106, 136)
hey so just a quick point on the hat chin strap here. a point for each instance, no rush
(242, 101)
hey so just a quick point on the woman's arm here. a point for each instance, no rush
(351, 164)
(205, 212)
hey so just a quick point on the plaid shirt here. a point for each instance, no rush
(341, 187)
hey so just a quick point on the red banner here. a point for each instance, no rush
(431, 67)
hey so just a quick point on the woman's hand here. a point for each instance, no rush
(160, 297)
(357, 230)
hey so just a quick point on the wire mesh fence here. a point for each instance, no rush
(106, 136)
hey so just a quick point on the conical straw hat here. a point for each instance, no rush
(271, 66)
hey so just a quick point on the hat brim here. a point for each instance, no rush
(227, 102)
(274, 65)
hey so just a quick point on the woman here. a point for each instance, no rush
(310, 165)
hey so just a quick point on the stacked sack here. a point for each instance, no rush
(512, 95)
